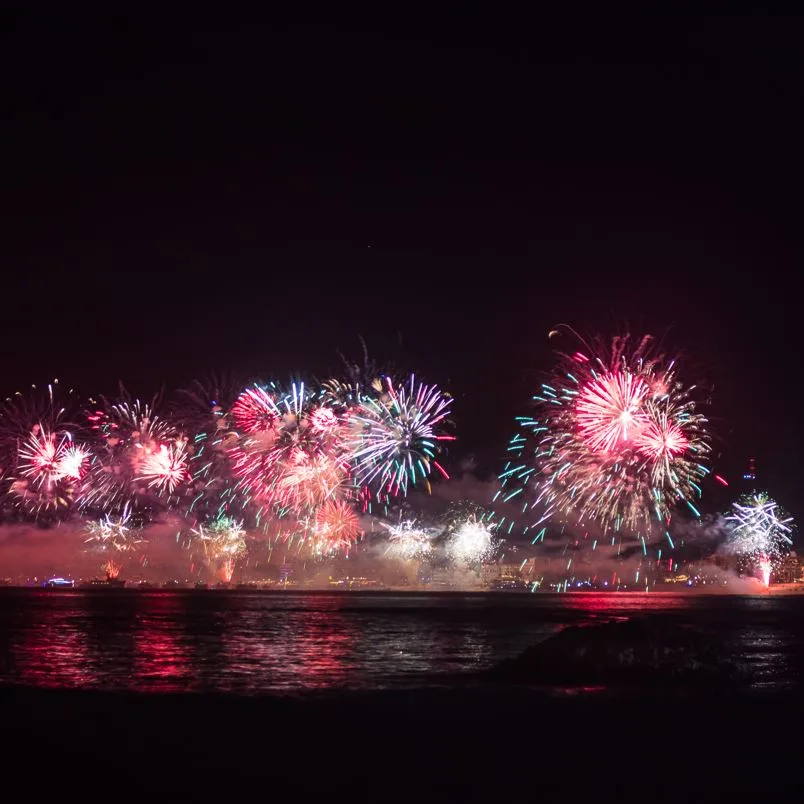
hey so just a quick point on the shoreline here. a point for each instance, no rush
(795, 589)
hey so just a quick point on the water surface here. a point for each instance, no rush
(246, 642)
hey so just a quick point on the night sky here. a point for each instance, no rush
(200, 199)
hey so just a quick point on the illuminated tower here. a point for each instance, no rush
(750, 476)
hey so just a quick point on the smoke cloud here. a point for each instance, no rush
(29, 552)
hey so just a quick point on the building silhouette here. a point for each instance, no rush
(749, 480)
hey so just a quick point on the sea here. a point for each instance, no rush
(257, 643)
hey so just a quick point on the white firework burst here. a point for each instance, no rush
(471, 542)
(408, 541)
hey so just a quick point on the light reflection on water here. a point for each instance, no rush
(234, 641)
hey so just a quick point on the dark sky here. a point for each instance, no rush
(200, 198)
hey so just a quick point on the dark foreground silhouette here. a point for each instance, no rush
(641, 652)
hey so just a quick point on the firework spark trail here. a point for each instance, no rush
(395, 438)
(765, 568)
(204, 414)
(616, 440)
(115, 535)
(211, 491)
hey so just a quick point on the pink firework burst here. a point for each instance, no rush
(661, 438)
(46, 459)
(324, 420)
(609, 410)
(255, 470)
(297, 465)
(256, 411)
(307, 482)
(616, 439)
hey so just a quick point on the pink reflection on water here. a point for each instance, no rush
(624, 605)
(161, 659)
(312, 649)
(52, 651)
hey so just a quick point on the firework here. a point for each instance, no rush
(130, 420)
(48, 467)
(204, 413)
(394, 439)
(165, 467)
(765, 567)
(360, 380)
(345, 395)
(137, 457)
(759, 531)
(39, 452)
(616, 440)
(306, 482)
(256, 410)
(112, 536)
(408, 541)
(334, 527)
(73, 463)
(290, 457)
(117, 534)
(46, 458)
(298, 462)
(223, 542)
(471, 542)
(52, 407)
(211, 490)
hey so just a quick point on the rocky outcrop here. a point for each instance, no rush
(637, 651)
